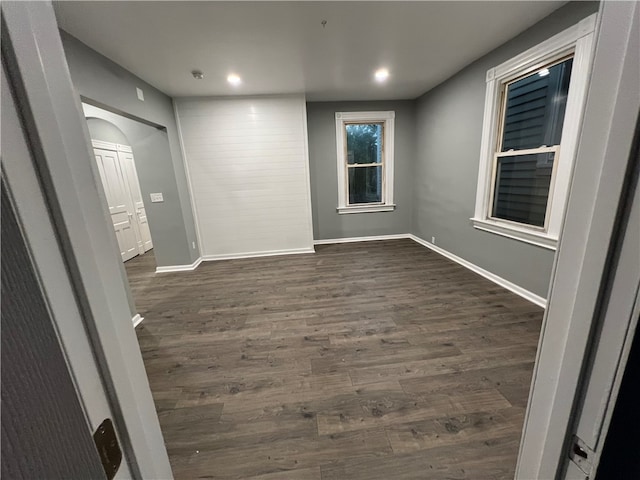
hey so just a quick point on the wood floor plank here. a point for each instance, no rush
(313, 473)
(454, 429)
(374, 361)
(238, 461)
(490, 458)
(470, 361)
(383, 404)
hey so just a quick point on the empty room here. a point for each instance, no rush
(324, 240)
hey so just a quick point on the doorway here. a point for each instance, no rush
(129, 155)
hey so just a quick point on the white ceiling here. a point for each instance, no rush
(282, 47)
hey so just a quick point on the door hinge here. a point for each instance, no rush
(582, 455)
(108, 448)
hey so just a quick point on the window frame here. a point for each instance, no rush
(555, 149)
(387, 119)
(576, 41)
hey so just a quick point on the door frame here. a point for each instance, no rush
(580, 265)
(64, 163)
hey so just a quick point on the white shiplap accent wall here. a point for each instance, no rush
(248, 168)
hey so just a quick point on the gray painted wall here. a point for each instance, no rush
(107, 84)
(449, 128)
(104, 130)
(327, 223)
(153, 161)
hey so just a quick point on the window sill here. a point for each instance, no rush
(366, 209)
(522, 234)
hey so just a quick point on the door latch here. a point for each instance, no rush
(108, 448)
(581, 455)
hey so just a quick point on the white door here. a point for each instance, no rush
(128, 166)
(118, 200)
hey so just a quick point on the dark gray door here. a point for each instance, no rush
(44, 430)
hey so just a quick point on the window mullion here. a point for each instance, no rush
(355, 165)
(528, 151)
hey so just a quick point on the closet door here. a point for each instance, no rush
(116, 190)
(140, 215)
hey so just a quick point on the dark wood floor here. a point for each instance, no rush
(379, 360)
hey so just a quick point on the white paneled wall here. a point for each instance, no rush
(247, 161)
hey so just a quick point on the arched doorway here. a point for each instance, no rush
(116, 165)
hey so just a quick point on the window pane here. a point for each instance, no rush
(522, 188)
(365, 185)
(364, 143)
(535, 108)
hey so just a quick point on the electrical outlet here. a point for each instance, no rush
(433, 240)
(140, 94)
(193, 245)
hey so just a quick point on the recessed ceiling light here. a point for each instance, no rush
(197, 74)
(544, 72)
(234, 79)
(381, 74)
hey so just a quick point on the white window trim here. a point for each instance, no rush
(578, 39)
(388, 118)
(115, 147)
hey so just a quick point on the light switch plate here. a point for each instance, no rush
(140, 94)
(156, 197)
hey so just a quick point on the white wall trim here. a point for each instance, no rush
(232, 256)
(104, 145)
(560, 42)
(116, 147)
(124, 148)
(366, 208)
(268, 253)
(137, 320)
(179, 268)
(523, 234)
(373, 238)
(518, 290)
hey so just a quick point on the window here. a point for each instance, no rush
(533, 107)
(533, 111)
(365, 161)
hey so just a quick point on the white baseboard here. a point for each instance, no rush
(231, 256)
(518, 290)
(179, 268)
(137, 320)
(268, 253)
(395, 236)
